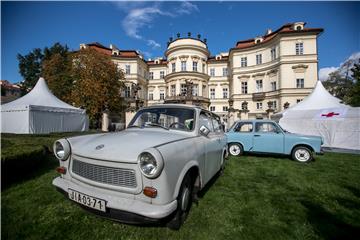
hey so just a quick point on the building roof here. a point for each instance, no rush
(287, 28)
(6, 84)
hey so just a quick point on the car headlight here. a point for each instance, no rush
(62, 149)
(151, 163)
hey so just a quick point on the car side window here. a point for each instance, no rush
(265, 127)
(216, 124)
(205, 120)
(244, 127)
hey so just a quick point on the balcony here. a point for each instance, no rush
(258, 96)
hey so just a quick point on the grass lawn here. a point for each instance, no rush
(256, 198)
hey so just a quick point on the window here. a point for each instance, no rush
(225, 108)
(183, 65)
(225, 93)
(244, 62)
(183, 89)
(162, 74)
(273, 104)
(212, 93)
(259, 105)
(243, 127)
(212, 72)
(173, 90)
(195, 64)
(265, 127)
(205, 120)
(244, 89)
(298, 100)
(127, 91)
(225, 72)
(162, 96)
(212, 108)
(299, 48)
(195, 91)
(127, 69)
(151, 75)
(151, 96)
(216, 124)
(258, 59)
(203, 68)
(273, 53)
(273, 86)
(173, 67)
(259, 85)
(300, 83)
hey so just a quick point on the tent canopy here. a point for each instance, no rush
(40, 96)
(40, 111)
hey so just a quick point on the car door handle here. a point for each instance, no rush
(256, 135)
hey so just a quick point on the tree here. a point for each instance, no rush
(354, 93)
(57, 72)
(338, 86)
(30, 65)
(97, 84)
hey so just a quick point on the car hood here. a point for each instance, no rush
(124, 146)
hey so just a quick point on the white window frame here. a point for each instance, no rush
(127, 69)
(212, 93)
(225, 72)
(258, 59)
(244, 87)
(212, 72)
(151, 75)
(183, 66)
(244, 62)
(212, 108)
(173, 67)
(162, 74)
(259, 106)
(300, 83)
(299, 48)
(173, 90)
(273, 86)
(259, 86)
(195, 66)
(225, 93)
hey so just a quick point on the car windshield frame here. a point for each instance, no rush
(162, 110)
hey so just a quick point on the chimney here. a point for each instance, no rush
(268, 31)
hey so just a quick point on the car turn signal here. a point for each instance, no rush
(150, 192)
(61, 170)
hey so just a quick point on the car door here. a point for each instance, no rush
(211, 145)
(268, 138)
(242, 133)
(221, 141)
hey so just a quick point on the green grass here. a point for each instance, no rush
(256, 198)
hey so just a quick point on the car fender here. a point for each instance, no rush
(187, 167)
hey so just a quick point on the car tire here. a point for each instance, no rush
(184, 200)
(302, 154)
(235, 149)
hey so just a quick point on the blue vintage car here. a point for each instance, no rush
(266, 136)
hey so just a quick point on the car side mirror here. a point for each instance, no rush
(204, 130)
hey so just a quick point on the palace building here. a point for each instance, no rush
(254, 79)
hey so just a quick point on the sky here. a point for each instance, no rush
(147, 26)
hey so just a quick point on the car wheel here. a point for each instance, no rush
(235, 149)
(302, 154)
(184, 200)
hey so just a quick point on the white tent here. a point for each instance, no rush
(40, 111)
(323, 115)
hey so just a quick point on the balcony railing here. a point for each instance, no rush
(258, 96)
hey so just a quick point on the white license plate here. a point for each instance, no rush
(87, 200)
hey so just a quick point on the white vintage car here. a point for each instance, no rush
(149, 172)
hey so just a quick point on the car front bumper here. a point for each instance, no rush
(120, 208)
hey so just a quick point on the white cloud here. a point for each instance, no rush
(153, 43)
(187, 8)
(354, 56)
(141, 14)
(324, 72)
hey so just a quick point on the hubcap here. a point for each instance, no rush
(302, 155)
(185, 199)
(234, 150)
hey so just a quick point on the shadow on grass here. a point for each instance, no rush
(328, 225)
(353, 190)
(25, 173)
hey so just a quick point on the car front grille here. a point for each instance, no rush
(102, 174)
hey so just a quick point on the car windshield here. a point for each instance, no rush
(166, 118)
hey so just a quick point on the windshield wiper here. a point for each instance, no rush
(156, 125)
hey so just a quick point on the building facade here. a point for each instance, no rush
(254, 79)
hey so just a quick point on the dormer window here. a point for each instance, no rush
(298, 26)
(258, 40)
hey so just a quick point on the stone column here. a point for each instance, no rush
(105, 121)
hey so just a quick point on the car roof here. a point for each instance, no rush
(256, 120)
(174, 105)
